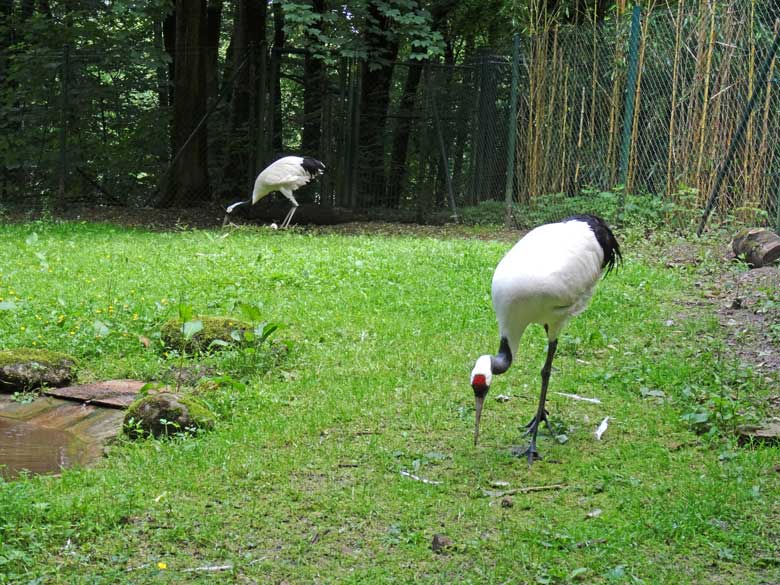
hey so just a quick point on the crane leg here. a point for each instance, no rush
(541, 414)
(289, 216)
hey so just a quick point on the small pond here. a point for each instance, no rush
(48, 434)
(26, 446)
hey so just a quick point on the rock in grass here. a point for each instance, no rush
(25, 369)
(219, 329)
(767, 434)
(440, 543)
(167, 414)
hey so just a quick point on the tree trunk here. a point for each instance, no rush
(213, 27)
(758, 246)
(6, 11)
(248, 35)
(169, 42)
(277, 141)
(313, 92)
(403, 130)
(188, 177)
(377, 74)
(28, 8)
(398, 172)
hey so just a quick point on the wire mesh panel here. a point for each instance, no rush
(409, 140)
(700, 66)
(80, 128)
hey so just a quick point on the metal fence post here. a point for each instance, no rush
(777, 211)
(64, 82)
(628, 112)
(740, 133)
(512, 137)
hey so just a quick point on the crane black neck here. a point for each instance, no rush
(500, 362)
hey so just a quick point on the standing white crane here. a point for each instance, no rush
(284, 175)
(547, 278)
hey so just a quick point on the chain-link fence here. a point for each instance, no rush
(590, 121)
(610, 116)
(433, 137)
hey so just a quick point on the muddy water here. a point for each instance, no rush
(25, 446)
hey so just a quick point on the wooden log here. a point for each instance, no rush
(759, 247)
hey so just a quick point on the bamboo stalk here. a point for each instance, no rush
(706, 97)
(579, 143)
(673, 109)
(536, 85)
(689, 146)
(763, 150)
(594, 77)
(614, 106)
(723, 123)
(751, 80)
(632, 156)
(547, 157)
(564, 131)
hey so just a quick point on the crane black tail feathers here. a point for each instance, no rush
(312, 166)
(613, 258)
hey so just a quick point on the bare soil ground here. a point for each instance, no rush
(211, 217)
(745, 301)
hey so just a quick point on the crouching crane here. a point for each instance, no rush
(548, 277)
(284, 175)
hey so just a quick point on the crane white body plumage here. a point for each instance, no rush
(548, 277)
(285, 175)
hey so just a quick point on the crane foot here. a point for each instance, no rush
(533, 424)
(529, 452)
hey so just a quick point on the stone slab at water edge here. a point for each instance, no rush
(23, 369)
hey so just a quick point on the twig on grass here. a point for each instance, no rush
(209, 569)
(524, 490)
(418, 478)
(578, 397)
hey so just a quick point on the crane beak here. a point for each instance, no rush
(478, 402)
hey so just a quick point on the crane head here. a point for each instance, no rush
(481, 377)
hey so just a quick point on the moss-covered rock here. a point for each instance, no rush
(166, 413)
(222, 328)
(27, 368)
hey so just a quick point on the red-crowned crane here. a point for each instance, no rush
(548, 277)
(284, 175)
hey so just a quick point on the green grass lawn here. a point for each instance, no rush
(300, 481)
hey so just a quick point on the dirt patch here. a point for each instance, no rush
(745, 302)
(749, 310)
(136, 217)
(211, 217)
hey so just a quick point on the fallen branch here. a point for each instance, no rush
(418, 478)
(209, 569)
(525, 490)
(578, 397)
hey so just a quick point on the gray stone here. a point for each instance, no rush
(166, 413)
(24, 369)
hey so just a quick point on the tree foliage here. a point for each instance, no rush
(174, 102)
